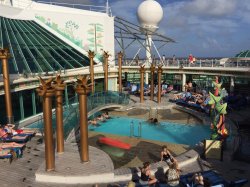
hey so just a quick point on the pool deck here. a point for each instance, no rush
(100, 170)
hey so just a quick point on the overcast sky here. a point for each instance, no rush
(205, 28)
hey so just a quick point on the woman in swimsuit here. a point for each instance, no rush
(167, 157)
(146, 177)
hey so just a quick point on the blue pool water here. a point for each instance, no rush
(165, 132)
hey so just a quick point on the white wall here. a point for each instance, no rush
(76, 27)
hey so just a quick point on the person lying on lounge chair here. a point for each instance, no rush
(9, 136)
(10, 129)
(11, 145)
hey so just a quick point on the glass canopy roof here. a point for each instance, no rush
(34, 49)
(243, 54)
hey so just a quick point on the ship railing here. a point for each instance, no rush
(213, 63)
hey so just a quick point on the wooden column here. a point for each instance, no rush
(152, 71)
(120, 55)
(106, 66)
(47, 92)
(82, 89)
(4, 56)
(159, 84)
(91, 55)
(142, 71)
(59, 89)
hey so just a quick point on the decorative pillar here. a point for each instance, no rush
(91, 70)
(142, 71)
(120, 55)
(47, 92)
(231, 84)
(4, 56)
(184, 80)
(159, 84)
(59, 89)
(106, 65)
(152, 70)
(82, 89)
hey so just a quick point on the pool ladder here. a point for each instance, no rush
(132, 129)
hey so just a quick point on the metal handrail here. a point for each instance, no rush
(78, 6)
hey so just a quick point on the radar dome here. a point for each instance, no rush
(149, 14)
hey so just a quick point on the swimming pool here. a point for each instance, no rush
(164, 132)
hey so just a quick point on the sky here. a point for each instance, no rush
(204, 28)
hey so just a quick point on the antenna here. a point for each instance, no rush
(107, 7)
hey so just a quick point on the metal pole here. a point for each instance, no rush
(142, 71)
(105, 56)
(152, 70)
(159, 84)
(120, 55)
(91, 55)
(4, 55)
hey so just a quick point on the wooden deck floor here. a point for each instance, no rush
(21, 172)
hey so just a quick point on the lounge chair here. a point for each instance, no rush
(5, 154)
(17, 139)
(214, 178)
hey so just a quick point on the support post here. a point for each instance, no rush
(152, 70)
(21, 104)
(47, 92)
(91, 70)
(231, 84)
(4, 56)
(184, 80)
(159, 84)
(120, 55)
(142, 71)
(105, 57)
(59, 89)
(82, 89)
(33, 102)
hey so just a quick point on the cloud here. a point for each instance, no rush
(216, 8)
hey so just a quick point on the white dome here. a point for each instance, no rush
(149, 14)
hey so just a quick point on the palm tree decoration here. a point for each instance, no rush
(218, 111)
(44, 86)
(82, 83)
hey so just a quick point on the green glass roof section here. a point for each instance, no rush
(243, 54)
(34, 49)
